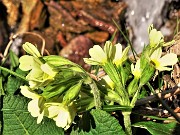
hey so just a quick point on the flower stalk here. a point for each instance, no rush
(127, 122)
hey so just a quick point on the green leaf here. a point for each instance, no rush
(110, 108)
(13, 84)
(14, 59)
(18, 121)
(105, 124)
(1, 87)
(157, 128)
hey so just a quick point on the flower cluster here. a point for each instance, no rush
(40, 72)
(42, 77)
(62, 114)
(110, 52)
(119, 71)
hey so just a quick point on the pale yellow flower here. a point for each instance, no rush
(63, 115)
(120, 56)
(155, 37)
(31, 49)
(36, 105)
(40, 74)
(135, 69)
(161, 63)
(110, 52)
(98, 56)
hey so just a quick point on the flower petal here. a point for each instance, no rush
(136, 71)
(40, 117)
(155, 37)
(157, 53)
(27, 92)
(91, 61)
(168, 59)
(53, 111)
(164, 68)
(33, 107)
(31, 49)
(97, 54)
(118, 54)
(48, 70)
(26, 62)
(62, 118)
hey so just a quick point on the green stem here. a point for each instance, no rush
(127, 123)
(96, 94)
(135, 97)
(13, 73)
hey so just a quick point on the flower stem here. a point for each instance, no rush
(13, 73)
(127, 123)
(96, 94)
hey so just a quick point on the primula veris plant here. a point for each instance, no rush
(60, 90)
(142, 71)
(54, 86)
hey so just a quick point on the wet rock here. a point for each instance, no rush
(77, 49)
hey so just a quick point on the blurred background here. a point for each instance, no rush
(70, 27)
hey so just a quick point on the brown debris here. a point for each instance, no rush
(77, 49)
(12, 10)
(66, 20)
(61, 20)
(31, 14)
(98, 36)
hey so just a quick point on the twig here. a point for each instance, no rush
(165, 94)
(16, 35)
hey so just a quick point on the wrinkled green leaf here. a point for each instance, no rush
(18, 121)
(13, 84)
(157, 128)
(105, 124)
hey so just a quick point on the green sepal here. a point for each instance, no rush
(58, 61)
(72, 93)
(2, 92)
(85, 104)
(125, 72)
(115, 76)
(133, 86)
(147, 74)
(57, 89)
(113, 73)
(109, 94)
(147, 69)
